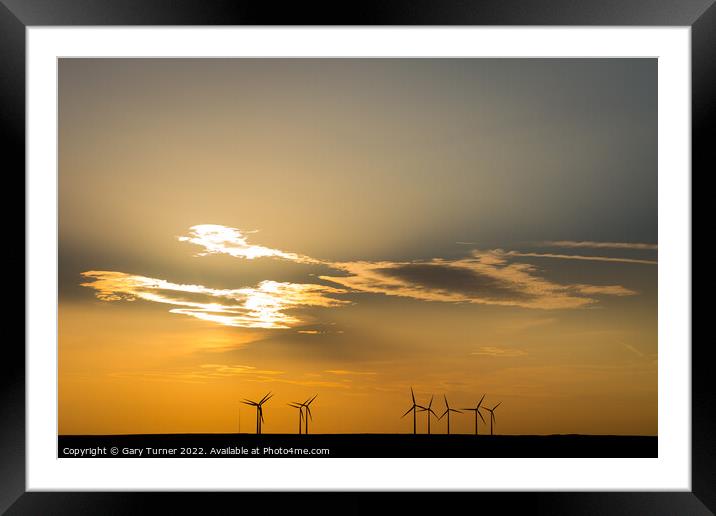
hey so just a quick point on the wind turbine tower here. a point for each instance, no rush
(476, 409)
(307, 406)
(259, 409)
(447, 413)
(429, 410)
(492, 416)
(414, 410)
(300, 414)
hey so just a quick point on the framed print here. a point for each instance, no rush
(418, 250)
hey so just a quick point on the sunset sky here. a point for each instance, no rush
(351, 228)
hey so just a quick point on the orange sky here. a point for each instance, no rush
(352, 228)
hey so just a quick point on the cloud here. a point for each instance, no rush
(494, 351)
(213, 372)
(462, 280)
(164, 376)
(634, 350)
(263, 306)
(319, 332)
(346, 372)
(518, 325)
(218, 239)
(604, 290)
(231, 370)
(580, 257)
(599, 245)
(482, 278)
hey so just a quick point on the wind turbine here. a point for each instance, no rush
(259, 409)
(307, 405)
(413, 408)
(492, 415)
(429, 410)
(300, 414)
(447, 413)
(477, 412)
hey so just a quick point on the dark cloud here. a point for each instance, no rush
(465, 281)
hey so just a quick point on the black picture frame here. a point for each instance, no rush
(17, 15)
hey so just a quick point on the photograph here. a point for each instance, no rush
(357, 257)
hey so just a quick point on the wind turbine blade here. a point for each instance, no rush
(446, 403)
(483, 419)
(308, 409)
(431, 401)
(407, 412)
(483, 397)
(413, 395)
(312, 399)
(268, 394)
(455, 410)
(500, 403)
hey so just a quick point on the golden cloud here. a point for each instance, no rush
(217, 239)
(483, 277)
(263, 306)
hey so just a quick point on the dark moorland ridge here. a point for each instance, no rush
(357, 445)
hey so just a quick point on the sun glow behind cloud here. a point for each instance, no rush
(218, 239)
(263, 306)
